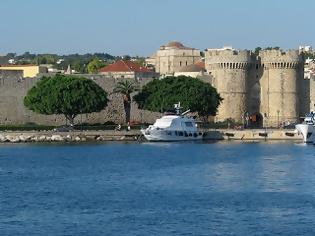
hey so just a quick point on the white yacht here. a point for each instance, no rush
(307, 128)
(173, 127)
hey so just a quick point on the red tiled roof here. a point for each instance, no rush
(175, 44)
(201, 64)
(124, 66)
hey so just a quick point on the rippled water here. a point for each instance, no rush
(220, 188)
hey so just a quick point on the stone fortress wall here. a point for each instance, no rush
(13, 89)
(282, 73)
(269, 85)
(229, 72)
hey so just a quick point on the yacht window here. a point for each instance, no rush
(169, 132)
(180, 133)
(176, 133)
(188, 124)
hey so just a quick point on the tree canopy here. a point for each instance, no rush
(126, 88)
(67, 95)
(95, 65)
(192, 93)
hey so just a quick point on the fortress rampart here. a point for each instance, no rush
(267, 85)
(13, 89)
(280, 85)
(229, 70)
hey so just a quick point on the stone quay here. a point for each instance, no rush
(135, 135)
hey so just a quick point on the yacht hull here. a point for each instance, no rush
(307, 131)
(164, 136)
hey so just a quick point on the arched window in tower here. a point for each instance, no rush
(186, 63)
(180, 63)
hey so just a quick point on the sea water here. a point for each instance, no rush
(223, 188)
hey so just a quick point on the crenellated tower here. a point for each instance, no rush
(229, 70)
(281, 74)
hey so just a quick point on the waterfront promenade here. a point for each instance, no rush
(135, 135)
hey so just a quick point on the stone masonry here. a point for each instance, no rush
(12, 111)
(269, 85)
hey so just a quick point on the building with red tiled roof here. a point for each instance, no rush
(127, 70)
(194, 70)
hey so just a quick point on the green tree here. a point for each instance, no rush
(95, 65)
(161, 95)
(77, 66)
(11, 55)
(126, 88)
(257, 50)
(272, 48)
(67, 95)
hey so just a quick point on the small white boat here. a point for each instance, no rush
(173, 127)
(307, 128)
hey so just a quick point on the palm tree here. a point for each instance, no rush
(126, 88)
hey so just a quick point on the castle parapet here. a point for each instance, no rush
(229, 70)
(279, 59)
(282, 71)
(227, 59)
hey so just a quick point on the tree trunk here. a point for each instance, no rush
(205, 121)
(70, 118)
(127, 108)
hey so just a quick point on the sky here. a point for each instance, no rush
(140, 27)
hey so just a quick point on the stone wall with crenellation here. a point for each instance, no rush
(268, 85)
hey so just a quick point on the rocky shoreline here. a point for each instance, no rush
(25, 137)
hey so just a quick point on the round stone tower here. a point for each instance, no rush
(229, 71)
(282, 72)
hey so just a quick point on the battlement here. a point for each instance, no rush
(279, 59)
(227, 59)
(278, 56)
(243, 59)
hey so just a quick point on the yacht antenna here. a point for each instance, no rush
(185, 112)
(177, 108)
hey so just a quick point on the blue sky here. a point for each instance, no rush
(139, 27)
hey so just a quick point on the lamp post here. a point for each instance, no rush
(81, 120)
(266, 118)
(265, 123)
